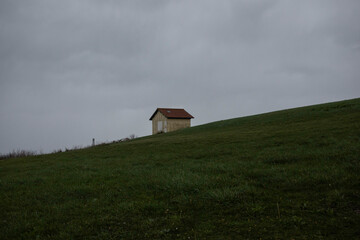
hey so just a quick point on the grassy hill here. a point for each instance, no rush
(292, 174)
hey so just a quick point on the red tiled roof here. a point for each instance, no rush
(173, 113)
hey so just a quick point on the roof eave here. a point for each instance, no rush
(152, 116)
(179, 117)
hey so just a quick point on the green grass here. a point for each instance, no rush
(292, 174)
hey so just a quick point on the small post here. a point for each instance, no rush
(93, 142)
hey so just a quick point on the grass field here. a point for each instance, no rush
(292, 174)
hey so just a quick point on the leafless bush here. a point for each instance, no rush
(129, 138)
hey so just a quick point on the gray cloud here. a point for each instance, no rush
(74, 70)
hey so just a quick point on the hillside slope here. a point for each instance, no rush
(290, 174)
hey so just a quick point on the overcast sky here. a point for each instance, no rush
(72, 70)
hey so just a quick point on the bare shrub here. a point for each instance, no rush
(129, 138)
(132, 136)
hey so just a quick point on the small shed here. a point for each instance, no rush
(170, 119)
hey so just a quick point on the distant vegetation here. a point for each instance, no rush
(18, 153)
(290, 174)
(27, 153)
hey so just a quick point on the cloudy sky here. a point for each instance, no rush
(71, 70)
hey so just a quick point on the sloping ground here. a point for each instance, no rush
(291, 174)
